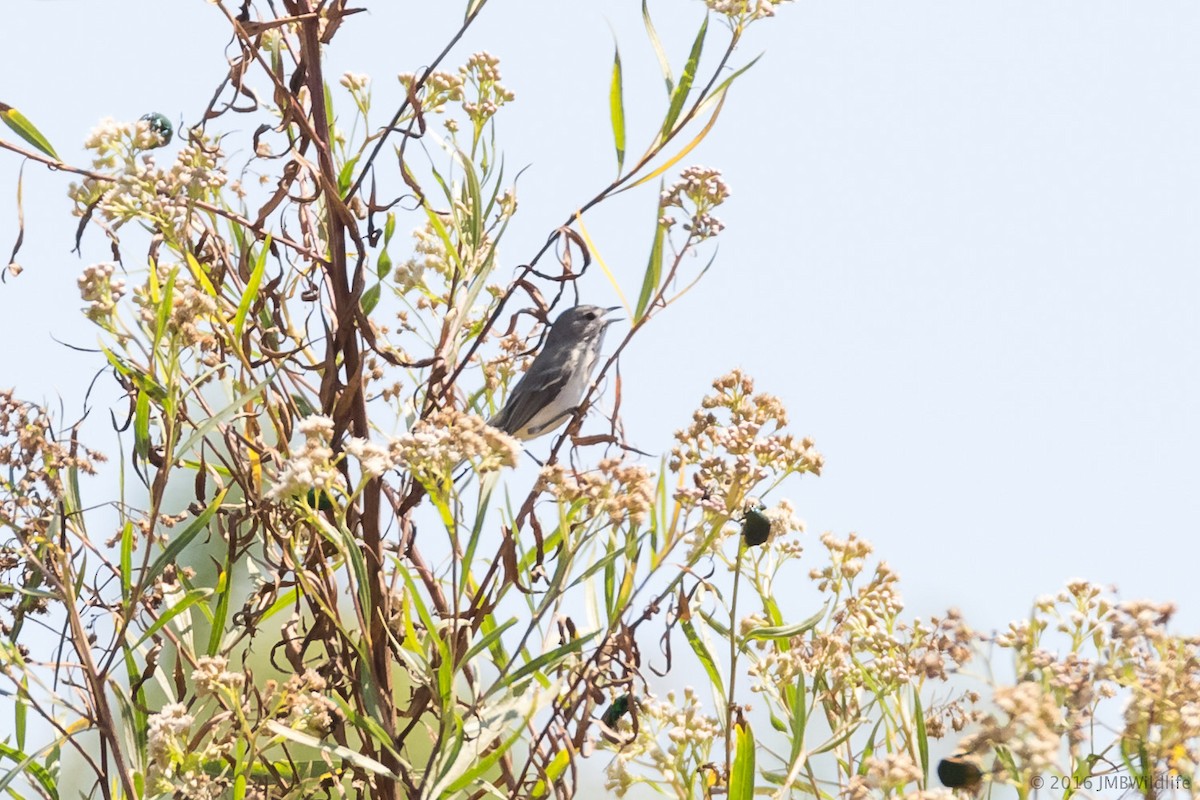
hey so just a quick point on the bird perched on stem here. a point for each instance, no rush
(553, 387)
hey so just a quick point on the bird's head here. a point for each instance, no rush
(582, 322)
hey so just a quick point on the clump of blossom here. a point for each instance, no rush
(501, 369)
(212, 676)
(306, 706)
(862, 641)
(359, 86)
(698, 191)
(312, 467)
(439, 89)
(167, 737)
(192, 308)
(35, 464)
(139, 189)
(1030, 727)
(447, 438)
(101, 291)
(355, 82)
(175, 765)
(846, 560)
(431, 256)
(620, 490)
(892, 771)
(482, 74)
(690, 733)
(373, 459)
(740, 12)
(783, 519)
(736, 440)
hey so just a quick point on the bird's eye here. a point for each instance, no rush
(590, 315)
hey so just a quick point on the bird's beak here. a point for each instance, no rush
(610, 310)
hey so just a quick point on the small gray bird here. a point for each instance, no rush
(553, 386)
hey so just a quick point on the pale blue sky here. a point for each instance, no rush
(963, 247)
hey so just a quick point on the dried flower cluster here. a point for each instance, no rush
(190, 318)
(698, 191)
(1079, 649)
(734, 442)
(37, 466)
(866, 643)
(619, 490)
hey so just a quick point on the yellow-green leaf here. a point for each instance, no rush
(260, 264)
(664, 63)
(680, 95)
(25, 129)
(741, 774)
(616, 104)
(653, 272)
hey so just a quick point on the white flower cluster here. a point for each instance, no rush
(482, 70)
(192, 309)
(212, 676)
(138, 188)
(100, 290)
(743, 11)
(355, 82)
(312, 468)
(171, 769)
(691, 735)
(439, 443)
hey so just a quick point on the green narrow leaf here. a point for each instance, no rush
(680, 95)
(346, 175)
(171, 552)
(701, 651)
(221, 613)
(127, 557)
(664, 63)
(141, 424)
(190, 599)
(741, 777)
(556, 768)
(383, 267)
(799, 713)
(718, 93)
(653, 272)
(26, 130)
(868, 750)
(27, 764)
(308, 740)
(389, 228)
(788, 631)
(554, 655)
(486, 641)
(260, 264)
(616, 107)
(21, 712)
(369, 299)
(922, 736)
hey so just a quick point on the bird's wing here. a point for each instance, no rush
(536, 390)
